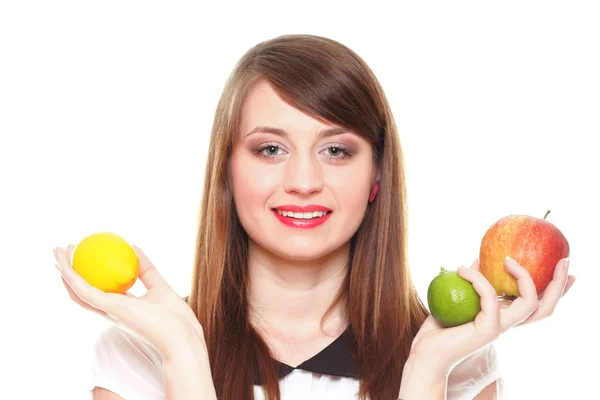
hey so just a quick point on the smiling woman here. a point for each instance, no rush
(298, 158)
(301, 287)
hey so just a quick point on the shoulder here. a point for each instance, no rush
(474, 373)
(126, 365)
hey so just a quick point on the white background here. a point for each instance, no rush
(105, 114)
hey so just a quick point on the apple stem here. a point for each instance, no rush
(547, 212)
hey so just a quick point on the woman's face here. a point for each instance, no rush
(300, 166)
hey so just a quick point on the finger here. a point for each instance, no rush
(553, 291)
(83, 304)
(475, 265)
(86, 292)
(571, 281)
(149, 275)
(76, 298)
(488, 320)
(428, 325)
(527, 301)
(70, 249)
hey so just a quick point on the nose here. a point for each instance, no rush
(303, 176)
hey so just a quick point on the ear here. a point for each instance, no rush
(377, 174)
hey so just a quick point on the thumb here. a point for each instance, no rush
(429, 324)
(149, 275)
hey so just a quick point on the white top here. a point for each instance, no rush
(128, 366)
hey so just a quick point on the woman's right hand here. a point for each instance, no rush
(160, 316)
(438, 350)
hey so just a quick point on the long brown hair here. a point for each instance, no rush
(330, 82)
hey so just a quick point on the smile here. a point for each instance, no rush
(298, 219)
(302, 215)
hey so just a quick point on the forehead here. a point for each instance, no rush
(262, 106)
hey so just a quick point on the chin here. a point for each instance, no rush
(301, 250)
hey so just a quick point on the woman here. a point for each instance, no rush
(301, 286)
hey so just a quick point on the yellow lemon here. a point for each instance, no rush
(106, 261)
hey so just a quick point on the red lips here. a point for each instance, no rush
(307, 208)
(302, 223)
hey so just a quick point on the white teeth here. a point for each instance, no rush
(301, 215)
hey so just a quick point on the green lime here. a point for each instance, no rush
(452, 299)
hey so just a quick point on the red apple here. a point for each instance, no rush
(534, 243)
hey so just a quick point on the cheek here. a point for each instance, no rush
(351, 188)
(252, 185)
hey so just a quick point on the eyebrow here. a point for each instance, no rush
(282, 132)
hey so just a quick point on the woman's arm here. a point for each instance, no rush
(160, 317)
(419, 383)
(414, 387)
(187, 372)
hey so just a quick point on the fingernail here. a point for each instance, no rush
(58, 267)
(511, 261)
(566, 264)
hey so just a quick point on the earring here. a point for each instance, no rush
(373, 192)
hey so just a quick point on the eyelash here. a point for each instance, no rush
(344, 151)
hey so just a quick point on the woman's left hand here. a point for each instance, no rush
(547, 300)
(439, 349)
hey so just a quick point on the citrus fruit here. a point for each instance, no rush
(452, 299)
(106, 261)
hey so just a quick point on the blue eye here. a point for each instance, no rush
(337, 152)
(271, 150)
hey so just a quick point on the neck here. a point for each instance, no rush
(289, 298)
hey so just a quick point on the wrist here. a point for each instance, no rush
(422, 382)
(187, 372)
(432, 368)
(189, 351)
